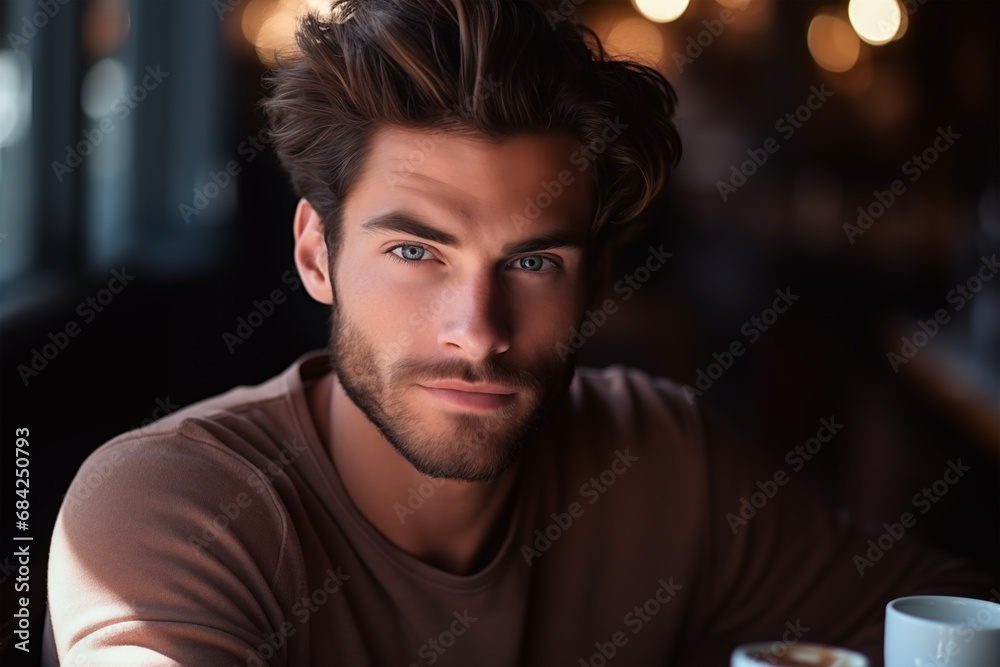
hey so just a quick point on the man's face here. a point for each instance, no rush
(450, 300)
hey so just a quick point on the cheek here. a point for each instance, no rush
(542, 320)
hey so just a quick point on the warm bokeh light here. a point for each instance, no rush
(270, 24)
(875, 21)
(661, 11)
(276, 35)
(254, 15)
(105, 25)
(833, 44)
(637, 39)
(904, 23)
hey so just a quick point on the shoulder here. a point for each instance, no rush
(624, 412)
(629, 398)
(176, 484)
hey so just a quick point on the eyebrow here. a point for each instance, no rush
(404, 224)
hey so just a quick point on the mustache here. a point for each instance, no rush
(493, 371)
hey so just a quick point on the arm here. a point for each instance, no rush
(163, 554)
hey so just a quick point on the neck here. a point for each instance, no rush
(455, 526)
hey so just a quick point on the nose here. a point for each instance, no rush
(476, 324)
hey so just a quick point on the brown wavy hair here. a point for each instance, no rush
(489, 68)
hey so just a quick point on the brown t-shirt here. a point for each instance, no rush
(222, 535)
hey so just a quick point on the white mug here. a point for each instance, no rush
(775, 654)
(941, 630)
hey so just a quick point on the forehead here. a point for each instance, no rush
(518, 186)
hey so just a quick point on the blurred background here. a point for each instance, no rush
(842, 154)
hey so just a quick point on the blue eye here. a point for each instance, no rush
(412, 253)
(532, 263)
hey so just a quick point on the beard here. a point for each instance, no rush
(473, 447)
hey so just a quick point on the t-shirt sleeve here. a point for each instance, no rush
(165, 552)
(782, 567)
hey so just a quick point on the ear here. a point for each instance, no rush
(311, 256)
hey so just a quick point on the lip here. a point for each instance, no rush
(470, 387)
(486, 397)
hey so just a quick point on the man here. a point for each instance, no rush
(444, 488)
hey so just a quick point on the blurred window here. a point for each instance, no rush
(110, 116)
